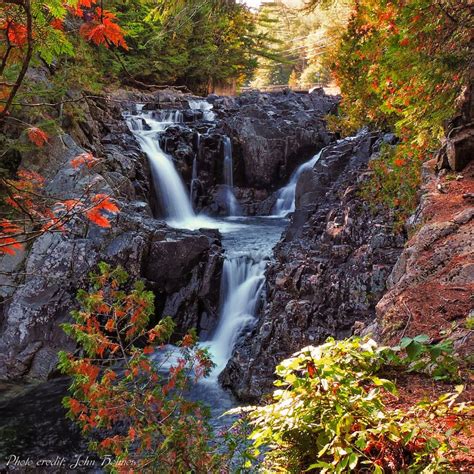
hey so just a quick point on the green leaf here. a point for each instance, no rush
(414, 349)
(353, 460)
(421, 338)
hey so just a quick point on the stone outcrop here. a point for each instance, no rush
(458, 146)
(38, 286)
(330, 269)
(431, 286)
(271, 134)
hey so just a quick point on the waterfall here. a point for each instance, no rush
(169, 186)
(285, 202)
(233, 207)
(167, 117)
(242, 281)
(205, 106)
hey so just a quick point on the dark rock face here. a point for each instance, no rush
(38, 286)
(330, 268)
(271, 134)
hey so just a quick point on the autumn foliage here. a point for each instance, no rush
(30, 28)
(37, 136)
(32, 211)
(30, 31)
(400, 65)
(103, 29)
(128, 386)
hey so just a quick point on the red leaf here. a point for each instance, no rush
(104, 203)
(17, 33)
(9, 244)
(97, 218)
(109, 325)
(57, 24)
(37, 136)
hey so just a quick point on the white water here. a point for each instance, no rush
(241, 286)
(285, 202)
(169, 186)
(205, 106)
(232, 204)
(247, 241)
(194, 176)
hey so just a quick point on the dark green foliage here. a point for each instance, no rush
(196, 43)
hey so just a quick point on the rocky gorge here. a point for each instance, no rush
(339, 265)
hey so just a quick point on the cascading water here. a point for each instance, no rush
(170, 188)
(205, 106)
(194, 176)
(242, 282)
(285, 202)
(248, 243)
(233, 207)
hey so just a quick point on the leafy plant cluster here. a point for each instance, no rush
(129, 385)
(129, 395)
(118, 388)
(329, 415)
(438, 360)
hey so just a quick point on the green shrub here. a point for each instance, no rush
(328, 415)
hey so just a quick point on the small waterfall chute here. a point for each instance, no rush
(206, 108)
(194, 176)
(242, 281)
(170, 188)
(285, 202)
(232, 204)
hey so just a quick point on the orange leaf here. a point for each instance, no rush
(97, 218)
(104, 202)
(57, 24)
(84, 159)
(103, 30)
(109, 325)
(37, 136)
(9, 244)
